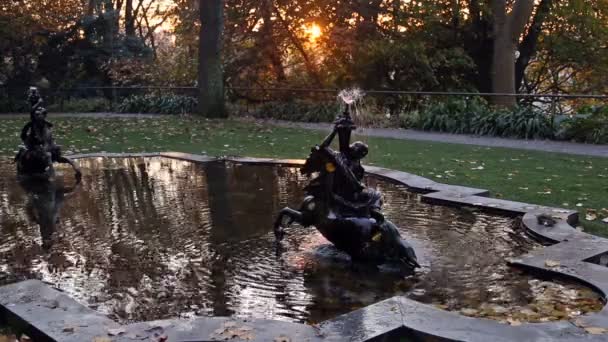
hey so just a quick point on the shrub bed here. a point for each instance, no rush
(158, 104)
(84, 105)
(297, 111)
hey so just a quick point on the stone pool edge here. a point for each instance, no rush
(51, 315)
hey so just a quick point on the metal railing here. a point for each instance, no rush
(248, 99)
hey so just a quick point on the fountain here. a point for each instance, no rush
(183, 245)
(341, 207)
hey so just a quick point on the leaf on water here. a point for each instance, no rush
(552, 263)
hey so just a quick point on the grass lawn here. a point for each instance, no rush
(552, 179)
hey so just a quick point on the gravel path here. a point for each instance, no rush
(408, 134)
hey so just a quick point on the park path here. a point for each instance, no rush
(407, 134)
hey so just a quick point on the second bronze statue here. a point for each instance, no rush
(35, 159)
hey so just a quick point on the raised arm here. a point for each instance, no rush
(329, 138)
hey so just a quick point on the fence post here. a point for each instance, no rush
(112, 96)
(61, 101)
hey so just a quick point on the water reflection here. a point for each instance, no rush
(43, 205)
(153, 238)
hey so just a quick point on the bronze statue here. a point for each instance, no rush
(36, 158)
(341, 207)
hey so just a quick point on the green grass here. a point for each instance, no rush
(552, 179)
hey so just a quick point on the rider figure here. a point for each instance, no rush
(347, 186)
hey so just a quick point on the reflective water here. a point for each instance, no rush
(145, 239)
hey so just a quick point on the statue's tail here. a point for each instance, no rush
(19, 155)
(400, 249)
(407, 254)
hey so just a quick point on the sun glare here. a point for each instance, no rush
(313, 31)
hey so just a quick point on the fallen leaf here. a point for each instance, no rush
(68, 329)
(552, 263)
(101, 339)
(513, 322)
(116, 331)
(591, 215)
(469, 312)
(596, 330)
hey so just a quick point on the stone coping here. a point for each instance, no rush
(48, 314)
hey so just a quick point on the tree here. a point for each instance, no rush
(508, 28)
(210, 75)
(528, 46)
(571, 54)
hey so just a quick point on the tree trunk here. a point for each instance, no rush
(507, 30)
(268, 43)
(210, 75)
(527, 48)
(310, 66)
(91, 7)
(129, 19)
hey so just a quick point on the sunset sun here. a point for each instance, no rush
(313, 31)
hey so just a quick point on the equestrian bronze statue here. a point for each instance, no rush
(340, 206)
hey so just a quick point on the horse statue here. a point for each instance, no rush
(342, 208)
(35, 159)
